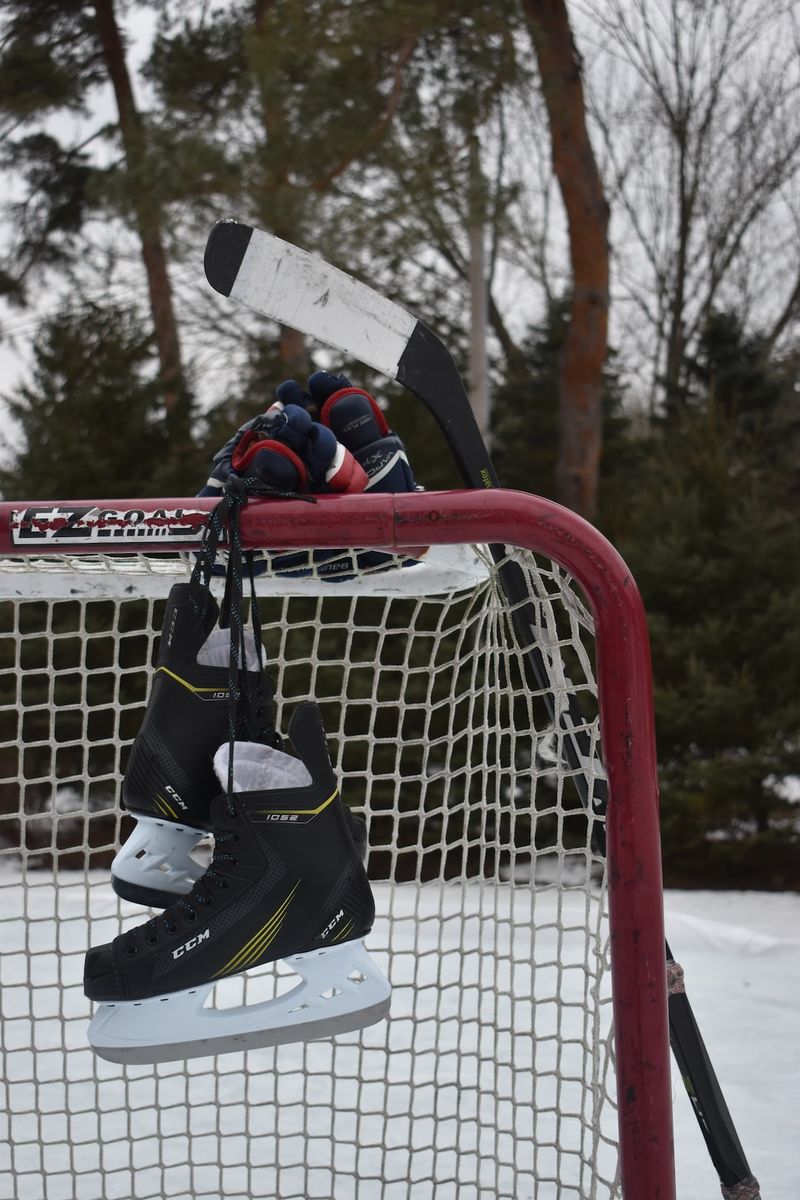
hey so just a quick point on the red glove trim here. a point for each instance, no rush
(353, 391)
(253, 442)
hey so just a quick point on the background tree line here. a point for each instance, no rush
(465, 159)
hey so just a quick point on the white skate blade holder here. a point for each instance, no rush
(158, 855)
(341, 990)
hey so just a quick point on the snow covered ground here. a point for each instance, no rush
(741, 955)
(309, 1122)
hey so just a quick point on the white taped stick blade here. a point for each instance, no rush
(291, 286)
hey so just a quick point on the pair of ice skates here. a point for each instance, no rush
(286, 880)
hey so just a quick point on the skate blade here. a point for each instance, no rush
(342, 990)
(155, 866)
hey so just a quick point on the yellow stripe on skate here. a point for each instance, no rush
(300, 812)
(343, 932)
(260, 940)
(164, 808)
(265, 940)
(250, 952)
(190, 687)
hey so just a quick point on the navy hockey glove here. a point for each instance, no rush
(358, 423)
(285, 449)
(293, 453)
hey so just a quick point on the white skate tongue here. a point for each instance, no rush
(258, 768)
(216, 649)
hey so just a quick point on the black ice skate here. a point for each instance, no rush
(169, 782)
(286, 881)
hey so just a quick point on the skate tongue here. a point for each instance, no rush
(216, 650)
(190, 615)
(258, 768)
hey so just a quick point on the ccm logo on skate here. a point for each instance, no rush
(333, 923)
(172, 624)
(190, 945)
(175, 796)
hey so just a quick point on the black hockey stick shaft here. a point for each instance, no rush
(704, 1091)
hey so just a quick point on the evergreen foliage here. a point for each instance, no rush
(703, 510)
(91, 418)
(712, 538)
(54, 57)
(353, 137)
(59, 184)
(49, 64)
(525, 418)
(48, 57)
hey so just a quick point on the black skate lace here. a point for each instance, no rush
(249, 708)
(246, 708)
(200, 896)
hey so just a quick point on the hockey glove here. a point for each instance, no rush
(293, 453)
(288, 451)
(358, 423)
(221, 462)
(331, 438)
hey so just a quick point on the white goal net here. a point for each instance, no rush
(495, 1075)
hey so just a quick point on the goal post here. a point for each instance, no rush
(481, 852)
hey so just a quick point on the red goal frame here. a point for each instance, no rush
(625, 694)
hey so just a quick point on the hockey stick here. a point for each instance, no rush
(289, 285)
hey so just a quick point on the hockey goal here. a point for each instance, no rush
(517, 879)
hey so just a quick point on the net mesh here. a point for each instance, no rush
(494, 1075)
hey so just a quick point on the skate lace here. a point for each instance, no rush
(255, 721)
(201, 896)
(248, 711)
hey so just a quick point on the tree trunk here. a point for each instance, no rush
(148, 223)
(676, 339)
(478, 371)
(584, 351)
(276, 203)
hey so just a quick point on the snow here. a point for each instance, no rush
(87, 1129)
(741, 955)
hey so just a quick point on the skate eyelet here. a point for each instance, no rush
(191, 915)
(131, 950)
(170, 928)
(151, 941)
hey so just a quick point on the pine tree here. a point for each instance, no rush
(525, 419)
(344, 135)
(54, 55)
(712, 538)
(91, 418)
